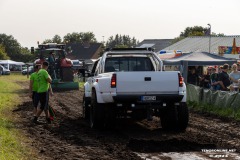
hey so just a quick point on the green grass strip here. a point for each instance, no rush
(11, 147)
(220, 111)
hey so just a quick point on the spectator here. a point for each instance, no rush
(238, 67)
(205, 79)
(51, 61)
(223, 78)
(214, 80)
(198, 70)
(192, 77)
(220, 69)
(234, 77)
(44, 80)
(33, 88)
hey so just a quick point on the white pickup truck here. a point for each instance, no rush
(130, 83)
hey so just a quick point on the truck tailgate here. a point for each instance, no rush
(147, 83)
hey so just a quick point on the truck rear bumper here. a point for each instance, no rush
(139, 99)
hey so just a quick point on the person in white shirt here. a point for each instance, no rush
(235, 78)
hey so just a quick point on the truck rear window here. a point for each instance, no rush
(115, 64)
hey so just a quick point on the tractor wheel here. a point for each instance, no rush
(86, 108)
(168, 117)
(96, 113)
(183, 116)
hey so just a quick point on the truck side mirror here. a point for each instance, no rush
(32, 50)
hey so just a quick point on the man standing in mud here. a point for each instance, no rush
(33, 88)
(44, 80)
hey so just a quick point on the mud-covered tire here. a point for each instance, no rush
(175, 118)
(96, 113)
(168, 116)
(85, 108)
(183, 116)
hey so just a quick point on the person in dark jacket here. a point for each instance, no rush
(214, 80)
(223, 78)
(205, 79)
(192, 77)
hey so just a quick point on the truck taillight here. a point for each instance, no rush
(114, 81)
(180, 79)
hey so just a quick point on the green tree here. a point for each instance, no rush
(121, 41)
(72, 38)
(26, 55)
(88, 37)
(195, 31)
(14, 50)
(81, 37)
(121, 46)
(3, 54)
(11, 45)
(47, 41)
(57, 39)
(218, 35)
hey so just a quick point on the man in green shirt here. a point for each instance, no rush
(44, 81)
(33, 88)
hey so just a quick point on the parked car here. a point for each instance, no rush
(4, 71)
(29, 71)
(76, 64)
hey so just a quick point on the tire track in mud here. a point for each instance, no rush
(224, 134)
(70, 136)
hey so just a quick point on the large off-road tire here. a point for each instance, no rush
(110, 116)
(175, 118)
(168, 116)
(86, 107)
(96, 113)
(183, 116)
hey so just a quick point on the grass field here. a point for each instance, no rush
(233, 113)
(11, 140)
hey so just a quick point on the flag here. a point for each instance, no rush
(234, 48)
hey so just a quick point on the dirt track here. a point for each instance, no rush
(70, 136)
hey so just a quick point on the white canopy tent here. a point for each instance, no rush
(9, 64)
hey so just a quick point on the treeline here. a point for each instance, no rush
(195, 31)
(10, 48)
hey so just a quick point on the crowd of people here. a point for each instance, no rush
(223, 78)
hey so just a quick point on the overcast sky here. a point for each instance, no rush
(30, 21)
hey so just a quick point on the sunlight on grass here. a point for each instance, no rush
(11, 147)
(81, 84)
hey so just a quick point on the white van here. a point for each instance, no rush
(4, 71)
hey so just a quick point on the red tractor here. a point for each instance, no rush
(60, 67)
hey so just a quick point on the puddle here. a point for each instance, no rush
(189, 156)
(179, 149)
(170, 145)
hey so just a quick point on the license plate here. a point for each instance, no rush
(148, 98)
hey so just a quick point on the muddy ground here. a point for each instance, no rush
(70, 137)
